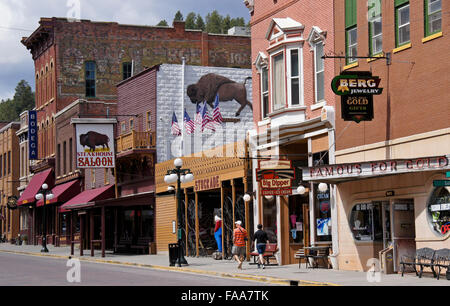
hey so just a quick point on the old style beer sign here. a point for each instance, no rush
(275, 177)
(356, 89)
(95, 145)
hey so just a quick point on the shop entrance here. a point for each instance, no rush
(403, 229)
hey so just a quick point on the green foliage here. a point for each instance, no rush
(200, 23)
(190, 21)
(162, 23)
(23, 100)
(178, 16)
(214, 23)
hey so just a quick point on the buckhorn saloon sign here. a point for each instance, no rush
(95, 145)
(356, 89)
(275, 177)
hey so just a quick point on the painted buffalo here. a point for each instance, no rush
(212, 84)
(93, 139)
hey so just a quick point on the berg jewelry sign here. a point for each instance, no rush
(356, 89)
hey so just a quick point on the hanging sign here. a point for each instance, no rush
(32, 135)
(95, 145)
(275, 177)
(356, 89)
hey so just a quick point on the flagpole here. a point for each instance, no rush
(183, 67)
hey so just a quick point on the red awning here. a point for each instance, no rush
(85, 198)
(63, 193)
(35, 184)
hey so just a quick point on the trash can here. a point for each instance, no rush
(387, 260)
(174, 250)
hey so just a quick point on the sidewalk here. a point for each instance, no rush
(280, 275)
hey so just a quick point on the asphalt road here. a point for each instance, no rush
(23, 270)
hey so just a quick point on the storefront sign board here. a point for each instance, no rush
(95, 145)
(207, 184)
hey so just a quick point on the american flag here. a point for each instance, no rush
(198, 116)
(190, 126)
(217, 116)
(176, 131)
(207, 121)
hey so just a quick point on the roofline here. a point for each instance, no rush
(139, 74)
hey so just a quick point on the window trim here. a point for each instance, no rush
(264, 93)
(348, 59)
(271, 76)
(289, 76)
(148, 115)
(94, 79)
(123, 70)
(371, 36)
(316, 100)
(397, 27)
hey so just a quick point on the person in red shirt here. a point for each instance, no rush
(239, 242)
(218, 233)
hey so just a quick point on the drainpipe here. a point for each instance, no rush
(183, 72)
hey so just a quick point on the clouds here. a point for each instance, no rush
(19, 18)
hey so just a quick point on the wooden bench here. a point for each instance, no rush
(142, 244)
(271, 250)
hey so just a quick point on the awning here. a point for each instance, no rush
(35, 185)
(86, 198)
(63, 193)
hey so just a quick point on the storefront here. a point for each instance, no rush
(218, 189)
(403, 204)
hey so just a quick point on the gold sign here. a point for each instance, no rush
(207, 184)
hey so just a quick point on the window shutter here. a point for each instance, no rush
(350, 13)
(400, 2)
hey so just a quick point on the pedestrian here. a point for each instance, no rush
(261, 239)
(239, 239)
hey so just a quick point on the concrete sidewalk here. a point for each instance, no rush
(279, 275)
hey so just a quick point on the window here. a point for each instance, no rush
(106, 176)
(90, 79)
(319, 68)
(265, 92)
(270, 218)
(70, 155)
(9, 162)
(323, 214)
(278, 77)
(58, 160)
(402, 23)
(64, 158)
(131, 125)
(351, 32)
(149, 121)
(439, 210)
(296, 225)
(295, 77)
(127, 70)
(123, 127)
(433, 17)
(366, 222)
(375, 27)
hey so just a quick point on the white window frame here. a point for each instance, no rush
(317, 72)
(272, 83)
(373, 37)
(350, 58)
(265, 93)
(399, 26)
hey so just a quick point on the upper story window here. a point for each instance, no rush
(402, 22)
(433, 17)
(127, 70)
(90, 79)
(375, 28)
(264, 92)
(351, 31)
(278, 78)
(131, 125)
(149, 121)
(319, 71)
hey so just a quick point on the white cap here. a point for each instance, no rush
(239, 222)
(217, 218)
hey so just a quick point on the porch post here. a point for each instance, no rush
(103, 231)
(91, 221)
(81, 234)
(72, 233)
(247, 217)
(223, 220)
(186, 200)
(196, 224)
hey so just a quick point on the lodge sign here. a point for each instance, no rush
(375, 168)
(207, 184)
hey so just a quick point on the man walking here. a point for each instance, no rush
(239, 238)
(261, 239)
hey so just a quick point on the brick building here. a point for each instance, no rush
(9, 178)
(392, 192)
(85, 60)
(294, 119)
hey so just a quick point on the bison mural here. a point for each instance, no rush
(94, 139)
(212, 84)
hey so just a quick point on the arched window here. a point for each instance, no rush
(439, 210)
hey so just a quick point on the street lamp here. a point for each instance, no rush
(45, 195)
(179, 176)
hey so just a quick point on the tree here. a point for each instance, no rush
(190, 22)
(226, 24)
(200, 24)
(214, 22)
(162, 23)
(178, 16)
(23, 100)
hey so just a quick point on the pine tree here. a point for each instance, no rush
(190, 22)
(214, 22)
(162, 23)
(200, 24)
(178, 16)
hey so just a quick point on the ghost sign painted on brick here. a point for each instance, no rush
(95, 145)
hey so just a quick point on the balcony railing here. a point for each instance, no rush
(136, 140)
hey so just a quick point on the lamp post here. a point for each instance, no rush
(179, 176)
(45, 195)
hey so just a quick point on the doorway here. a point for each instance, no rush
(403, 229)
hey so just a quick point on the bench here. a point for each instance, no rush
(142, 244)
(123, 244)
(442, 260)
(271, 250)
(423, 257)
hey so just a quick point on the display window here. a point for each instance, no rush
(296, 222)
(366, 222)
(323, 214)
(439, 211)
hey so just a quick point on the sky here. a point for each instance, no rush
(19, 18)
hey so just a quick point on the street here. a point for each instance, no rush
(23, 270)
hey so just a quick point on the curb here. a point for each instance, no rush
(263, 279)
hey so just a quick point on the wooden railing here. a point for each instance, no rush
(136, 140)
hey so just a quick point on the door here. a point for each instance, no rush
(386, 217)
(403, 229)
